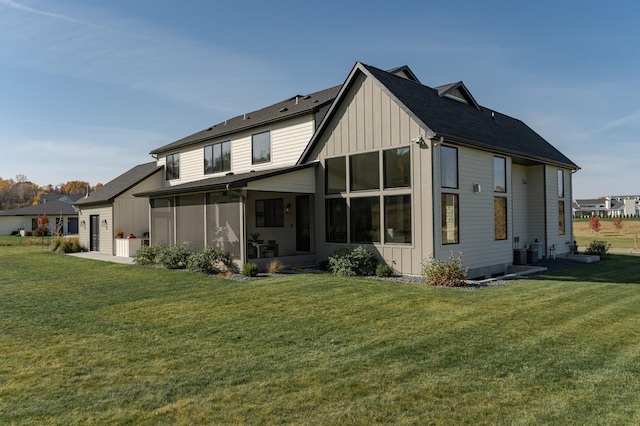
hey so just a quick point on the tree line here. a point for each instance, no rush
(20, 192)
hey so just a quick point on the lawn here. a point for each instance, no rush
(628, 237)
(91, 342)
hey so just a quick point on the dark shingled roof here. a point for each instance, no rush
(461, 123)
(222, 182)
(457, 122)
(295, 106)
(109, 191)
(51, 208)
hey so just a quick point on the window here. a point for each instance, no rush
(560, 184)
(217, 157)
(397, 168)
(365, 220)
(397, 219)
(270, 213)
(261, 148)
(450, 234)
(172, 166)
(336, 214)
(364, 171)
(499, 174)
(449, 167)
(500, 218)
(561, 217)
(335, 175)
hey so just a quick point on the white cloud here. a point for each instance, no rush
(132, 54)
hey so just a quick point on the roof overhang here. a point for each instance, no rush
(246, 180)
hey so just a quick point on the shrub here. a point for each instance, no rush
(147, 255)
(210, 260)
(601, 248)
(323, 265)
(275, 267)
(249, 270)
(449, 273)
(349, 262)
(383, 270)
(67, 245)
(173, 257)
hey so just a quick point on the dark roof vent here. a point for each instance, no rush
(284, 109)
(230, 174)
(307, 97)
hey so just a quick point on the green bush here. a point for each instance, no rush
(173, 257)
(601, 248)
(383, 270)
(210, 260)
(449, 273)
(349, 262)
(147, 255)
(249, 270)
(67, 245)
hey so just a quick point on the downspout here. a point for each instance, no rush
(434, 195)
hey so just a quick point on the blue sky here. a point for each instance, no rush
(88, 88)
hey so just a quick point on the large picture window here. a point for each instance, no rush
(561, 217)
(217, 157)
(172, 166)
(500, 218)
(335, 175)
(397, 218)
(499, 174)
(450, 219)
(270, 213)
(261, 148)
(364, 173)
(336, 216)
(449, 167)
(397, 168)
(365, 220)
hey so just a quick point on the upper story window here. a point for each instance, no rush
(217, 157)
(449, 167)
(172, 166)
(499, 174)
(364, 171)
(335, 175)
(560, 184)
(397, 168)
(261, 148)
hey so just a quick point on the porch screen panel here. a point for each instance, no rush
(223, 223)
(162, 221)
(190, 221)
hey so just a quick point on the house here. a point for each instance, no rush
(609, 206)
(409, 171)
(58, 207)
(112, 207)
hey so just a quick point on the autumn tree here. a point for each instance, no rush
(594, 223)
(76, 187)
(617, 222)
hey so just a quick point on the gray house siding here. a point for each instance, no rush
(368, 120)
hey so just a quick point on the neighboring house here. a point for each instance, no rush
(409, 171)
(113, 207)
(610, 206)
(58, 207)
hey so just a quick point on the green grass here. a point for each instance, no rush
(91, 342)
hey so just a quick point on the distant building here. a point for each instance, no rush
(63, 217)
(609, 206)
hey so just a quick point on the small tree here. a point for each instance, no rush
(617, 222)
(594, 223)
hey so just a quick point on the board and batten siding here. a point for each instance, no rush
(369, 120)
(288, 139)
(131, 214)
(105, 234)
(478, 245)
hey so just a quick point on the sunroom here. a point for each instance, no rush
(255, 216)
